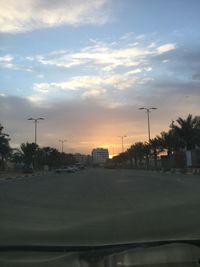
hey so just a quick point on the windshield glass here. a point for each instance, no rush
(99, 121)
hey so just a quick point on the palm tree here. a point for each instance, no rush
(29, 152)
(156, 147)
(121, 158)
(170, 142)
(139, 152)
(53, 158)
(17, 155)
(4, 146)
(188, 130)
(132, 155)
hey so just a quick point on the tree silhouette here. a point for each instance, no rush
(29, 152)
(156, 147)
(4, 146)
(188, 130)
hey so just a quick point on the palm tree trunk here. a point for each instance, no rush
(155, 159)
(136, 163)
(131, 162)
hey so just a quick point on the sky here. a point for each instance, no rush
(88, 66)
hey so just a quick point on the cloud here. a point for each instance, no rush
(7, 62)
(99, 55)
(41, 87)
(6, 58)
(107, 68)
(26, 15)
(93, 93)
(35, 99)
(136, 71)
(165, 48)
(93, 84)
(140, 37)
(127, 36)
(106, 56)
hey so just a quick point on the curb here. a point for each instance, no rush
(19, 177)
(195, 171)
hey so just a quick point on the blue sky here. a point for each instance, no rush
(87, 66)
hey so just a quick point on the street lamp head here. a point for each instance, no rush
(32, 119)
(35, 122)
(141, 108)
(153, 108)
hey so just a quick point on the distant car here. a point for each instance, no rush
(80, 167)
(71, 169)
(60, 170)
(76, 168)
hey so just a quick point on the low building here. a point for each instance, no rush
(100, 155)
(81, 159)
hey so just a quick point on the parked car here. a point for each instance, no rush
(71, 169)
(75, 168)
(60, 170)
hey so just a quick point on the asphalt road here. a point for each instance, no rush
(98, 206)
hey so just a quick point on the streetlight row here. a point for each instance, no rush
(36, 122)
(148, 110)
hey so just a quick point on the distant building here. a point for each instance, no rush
(81, 159)
(100, 155)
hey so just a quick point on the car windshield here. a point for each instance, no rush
(99, 122)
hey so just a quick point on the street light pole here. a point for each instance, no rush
(62, 144)
(36, 131)
(36, 122)
(149, 134)
(148, 110)
(122, 138)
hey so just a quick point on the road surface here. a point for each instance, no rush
(98, 206)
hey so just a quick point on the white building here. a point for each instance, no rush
(100, 155)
